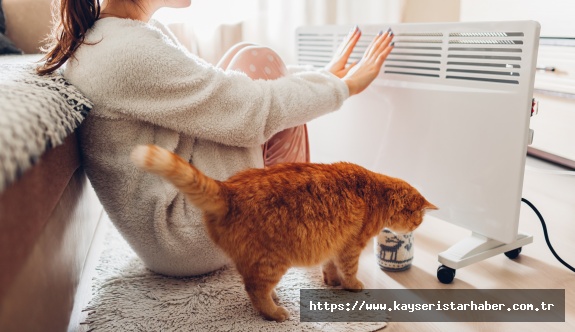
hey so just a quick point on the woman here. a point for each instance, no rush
(147, 89)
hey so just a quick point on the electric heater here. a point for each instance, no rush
(449, 113)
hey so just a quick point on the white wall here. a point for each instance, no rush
(431, 11)
(555, 16)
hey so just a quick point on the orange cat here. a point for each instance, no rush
(294, 214)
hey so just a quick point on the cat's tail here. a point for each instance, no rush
(201, 190)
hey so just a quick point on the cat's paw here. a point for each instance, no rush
(280, 315)
(354, 285)
(331, 281)
(275, 296)
(330, 278)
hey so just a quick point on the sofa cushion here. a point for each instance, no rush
(28, 23)
(6, 45)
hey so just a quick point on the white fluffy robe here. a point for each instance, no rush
(147, 89)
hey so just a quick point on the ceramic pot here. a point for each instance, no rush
(394, 252)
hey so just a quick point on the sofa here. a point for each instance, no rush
(50, 217)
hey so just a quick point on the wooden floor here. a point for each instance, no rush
(535, 268)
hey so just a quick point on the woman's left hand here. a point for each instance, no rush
(338, 65)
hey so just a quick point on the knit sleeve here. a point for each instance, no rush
(154, 81)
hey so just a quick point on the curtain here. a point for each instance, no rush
(278, 19)
(218, 24)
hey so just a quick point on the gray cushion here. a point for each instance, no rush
(2, 19)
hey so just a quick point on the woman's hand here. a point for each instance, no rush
(366, 70)
(338, 65)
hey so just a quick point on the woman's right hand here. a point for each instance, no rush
(367, 69)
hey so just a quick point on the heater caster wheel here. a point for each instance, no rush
(512, 254)
(445, 274)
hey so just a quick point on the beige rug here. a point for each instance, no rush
(128, 297)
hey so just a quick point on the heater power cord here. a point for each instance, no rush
(546, 234)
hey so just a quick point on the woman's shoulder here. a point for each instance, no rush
(112, 29)
(121, 52)
(121, 43)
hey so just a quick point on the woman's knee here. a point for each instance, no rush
(258, 62)
(231, 53)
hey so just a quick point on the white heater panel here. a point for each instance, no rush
(449, 113)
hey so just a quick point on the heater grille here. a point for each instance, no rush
(316, 49)
(416, 54)
(485, 56)
(489, 56)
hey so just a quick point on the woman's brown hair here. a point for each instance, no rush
(73, 19)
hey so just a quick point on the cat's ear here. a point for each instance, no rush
(429, 206)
